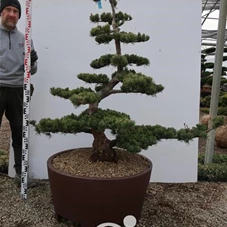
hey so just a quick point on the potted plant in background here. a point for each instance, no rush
(108, 181)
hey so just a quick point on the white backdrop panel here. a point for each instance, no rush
(61, 37)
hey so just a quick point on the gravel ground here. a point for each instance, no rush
(200, 204)
(182, 205)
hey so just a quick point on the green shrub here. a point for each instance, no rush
(212, 172)
(216, 171)
(222, 110)
(217, 158)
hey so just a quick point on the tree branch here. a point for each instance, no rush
(122, 92)
(114, 24)
(107, 89)
(116, 92)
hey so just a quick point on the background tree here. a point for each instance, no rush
(207, 70)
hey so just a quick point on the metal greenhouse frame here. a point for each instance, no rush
(210, 11)
(218, 39)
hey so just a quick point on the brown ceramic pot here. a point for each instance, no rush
(93, 201)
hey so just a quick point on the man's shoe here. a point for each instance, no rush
(17, 181)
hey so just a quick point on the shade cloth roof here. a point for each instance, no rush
(208, 7)
(211, 4)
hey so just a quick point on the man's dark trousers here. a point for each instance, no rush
(11, 103)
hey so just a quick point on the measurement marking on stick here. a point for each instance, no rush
(26, 104)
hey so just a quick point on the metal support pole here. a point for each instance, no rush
(216, 79)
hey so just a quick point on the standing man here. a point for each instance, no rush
(12, 48)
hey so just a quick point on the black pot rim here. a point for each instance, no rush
(50, 166)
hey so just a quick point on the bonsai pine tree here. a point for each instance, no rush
(207, 67)
(207, 70)
(94, 120)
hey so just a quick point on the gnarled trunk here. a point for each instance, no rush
(102, 148)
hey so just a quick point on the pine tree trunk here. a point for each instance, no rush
(102, 148)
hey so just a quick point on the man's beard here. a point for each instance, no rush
(10, 23)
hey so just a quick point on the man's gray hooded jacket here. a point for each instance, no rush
(12, 50)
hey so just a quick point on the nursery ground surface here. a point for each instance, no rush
(183, 205)
(202, 204)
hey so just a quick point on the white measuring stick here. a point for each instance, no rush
(26, 98)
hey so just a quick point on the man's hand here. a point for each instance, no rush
(34, 57)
